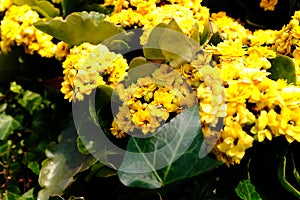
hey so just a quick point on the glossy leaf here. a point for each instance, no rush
(79, 27)
(7, 125)
(171, 154)
(62, 164)
(205, 35)
(246, 191)
(30, 101)
(152, 49)
(45, 8)
(175, 46)
(283, 67)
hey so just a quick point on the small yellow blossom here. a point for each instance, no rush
(263, 37)
(289, 124)
(151, 99)
(260, 127)
(268, 4)
(5, 4)
(229, 28)
(88, 66)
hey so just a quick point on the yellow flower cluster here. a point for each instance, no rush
(17, 29)
(258, 108)
(150, 101)
(268, 4)
(229, 28)
(148, 14)
(288, 37)
(88, 66)
(5, 4)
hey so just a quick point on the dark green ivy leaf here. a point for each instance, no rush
(63, 162)
(30, 101)
(7, 125)
(167, 146)
(246, 191)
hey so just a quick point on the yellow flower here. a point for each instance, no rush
(268, 4)
(229, 28)
(230, 49)
(116, 131)
(4, 4)
(238, 92)
(289, 124)
(233, 143)
(19, 30)
(152, 98)
(148, 14)
(260, 129)
(88, 66)
(290, 95)
(263, 37)
(62, 50)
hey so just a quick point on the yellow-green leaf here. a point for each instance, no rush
(79, 27)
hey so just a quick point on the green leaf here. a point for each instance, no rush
(45, 8)
(14, 87)
(34, 166)
(7, 125)
(81, 148)
(62, 164)
(5, 148)
(284, 182)
(30, 101)
(204, 36)
(171, 154)
(152, 49)
(3, 107)
(246, 191)
(175, 46)
(29, 195)
(283, 67)
(79, 27)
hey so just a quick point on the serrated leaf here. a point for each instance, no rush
(45, 8)
(283, 67)
(78, 28)
(30, 101)
(63, 162)
(246, 191)
(284, 182)
(175, 46)
(7, 125)
(171, 154)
